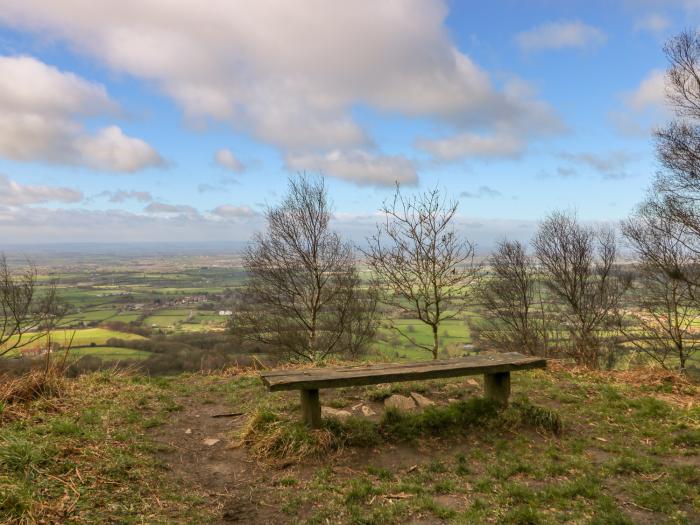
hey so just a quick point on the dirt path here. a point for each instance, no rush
(199, 452)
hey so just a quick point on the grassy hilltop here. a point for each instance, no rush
(575, 446)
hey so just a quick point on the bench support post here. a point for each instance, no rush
(311, 408)
(497, 387)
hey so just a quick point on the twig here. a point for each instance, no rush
(229, 414)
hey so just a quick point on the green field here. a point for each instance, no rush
(110, 353)
(82, 338)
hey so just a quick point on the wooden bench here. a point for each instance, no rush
(496, 369)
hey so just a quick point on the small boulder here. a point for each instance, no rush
(421, 400)
(334, 412)
(367, 411)
(399, 402)
(210, 442)
(472, 383)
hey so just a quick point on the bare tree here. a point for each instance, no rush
(515, 318)
(665, 296)
(422, 266)
(677, 186)
(578, 265)
(28, 312)
(302, 295)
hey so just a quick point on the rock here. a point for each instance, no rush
(367, 411)
(400, 402)
(472, 383)
(188, 431)
(421, 400)
(334, 412)
(210, 442)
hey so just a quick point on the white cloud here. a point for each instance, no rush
(358, 166)
(650, 94)
(472, 145)
(228, 211)
(36, 224)
(558, 35)
(226, 159)
(289, 73)
(482, 191)
(644, 108)
(111, 150)
(40, 112)
(655, 23)
(611, 165)
(524, 119)
(158, 208)
(15, 194)
(120, 196)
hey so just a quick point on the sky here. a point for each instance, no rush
(176, 120)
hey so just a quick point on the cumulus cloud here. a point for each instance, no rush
(472, 145)
(36, 224)
(655, 23)
(482, 191)
(228, 211)
(120, 196)
(227, 160)
(610, 165)
(289, 73)
(40, 112)
(111, 150)
(524, 119)
(358, 166)
(650, 94)
(158, 208)
(559, 35)
(15, 194)
(644, 107)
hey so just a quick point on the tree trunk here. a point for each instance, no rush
(436, 341)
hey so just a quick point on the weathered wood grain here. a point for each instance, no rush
(336, 377)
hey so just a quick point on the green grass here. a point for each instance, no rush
(110, 353)
(85, 337)
(90, 461)
(614, 453)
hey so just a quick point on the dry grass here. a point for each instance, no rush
(271, 438)
(31, 386)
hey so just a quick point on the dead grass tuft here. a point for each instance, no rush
(269, 437)
(31, 386)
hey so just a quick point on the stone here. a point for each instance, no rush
(188, 431)
(472, 383)
(334, 412)
(367, 411)
(210, 442)
(400, 402)
(421, 400)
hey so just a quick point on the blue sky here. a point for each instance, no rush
(180, 121)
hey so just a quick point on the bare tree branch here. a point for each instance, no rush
(422, 266)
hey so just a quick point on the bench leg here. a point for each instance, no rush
(311, 408)
(497, 387)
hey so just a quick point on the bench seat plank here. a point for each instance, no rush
(317, 378)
